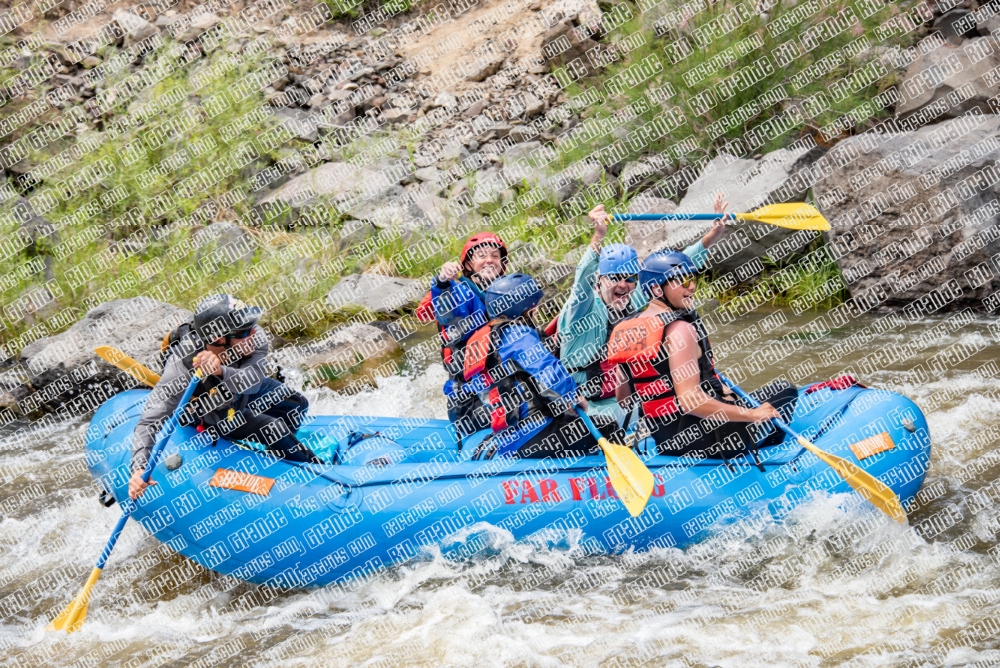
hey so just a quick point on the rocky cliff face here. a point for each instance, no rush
(914, 214)
(464, 93)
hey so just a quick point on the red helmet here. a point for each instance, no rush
(485, 239)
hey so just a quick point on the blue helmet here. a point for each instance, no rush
(663, 266)
(512, 295)
(618, 259)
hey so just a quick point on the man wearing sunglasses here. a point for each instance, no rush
(235, 400)
(665, 364)
(603, 294)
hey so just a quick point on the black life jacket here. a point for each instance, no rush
(508, 386)
(637, 343)
(601, 378)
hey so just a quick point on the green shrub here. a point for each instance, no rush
(704, 86)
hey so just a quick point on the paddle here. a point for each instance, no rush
(867, 485)
(794, 216)
(133, 368)
(629, 476)
(72, 617)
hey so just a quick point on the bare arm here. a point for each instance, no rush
(683, 352)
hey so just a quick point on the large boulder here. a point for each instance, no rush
(914, 213)
(358, 192)
(943, 75)
(135, 326)
(746, 184)
(375, 292)
(955, 25)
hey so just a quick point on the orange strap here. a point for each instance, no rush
(476, 350)
(636, 339)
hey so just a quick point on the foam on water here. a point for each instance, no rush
(831, 583)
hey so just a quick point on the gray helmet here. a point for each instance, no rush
(223, 315)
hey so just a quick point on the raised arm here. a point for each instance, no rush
(581, 297)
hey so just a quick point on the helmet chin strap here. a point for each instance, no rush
(666, 302)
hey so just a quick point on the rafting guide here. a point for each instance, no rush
(235, 399)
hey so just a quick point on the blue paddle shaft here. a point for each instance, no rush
(590, 425)
(161, 441)
(753, 402)
(667, 216)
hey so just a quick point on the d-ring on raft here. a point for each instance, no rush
(246, 514)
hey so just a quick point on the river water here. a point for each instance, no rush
(839, 585)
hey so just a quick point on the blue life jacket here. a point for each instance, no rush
(460, 310)
(520, 382)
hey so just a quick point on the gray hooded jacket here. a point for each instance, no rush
(243, 376)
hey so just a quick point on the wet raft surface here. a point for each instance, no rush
(830, 583)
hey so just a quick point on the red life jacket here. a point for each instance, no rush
(425, 310)
(602, 379)
(477, 351)
(636, 343)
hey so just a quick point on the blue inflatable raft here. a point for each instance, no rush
(402, 487)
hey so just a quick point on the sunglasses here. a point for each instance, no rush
(239, 336)
(685, 280)
(617, 278)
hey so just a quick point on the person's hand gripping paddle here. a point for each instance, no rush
(630, 478)
(793, 216)
(880, 496)
(72, 617)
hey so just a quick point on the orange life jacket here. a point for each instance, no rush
(636, 343)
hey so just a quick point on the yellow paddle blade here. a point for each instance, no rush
(632, 481)
(71, 619)
(139, 371)
(794, 216)
(868, 486)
